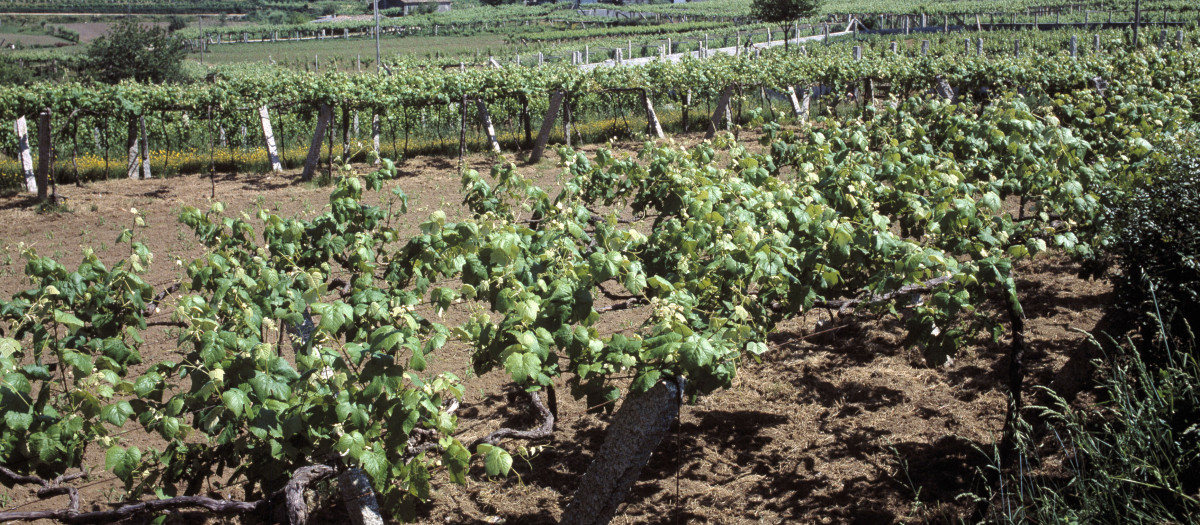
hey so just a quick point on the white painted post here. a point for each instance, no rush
(924, 47)
(486, 120)
(22, 129)
(857, 53)
(132, 141)
(269, 135)
(895, 48)
(796, 108)
(651, 117)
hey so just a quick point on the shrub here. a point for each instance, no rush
(1154, 242)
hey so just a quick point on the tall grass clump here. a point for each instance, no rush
(1132, 456)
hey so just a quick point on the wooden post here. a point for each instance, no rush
(485, 119)
(131, 146)
(324, 115)
(45, 154)
(1096, 43)
(566, 114)
(539, 147)
(943, 88)
(720, 113)
(359, 497)
(145, 148)
(525, 120)
(651, 117)
(375, 128)
(462, 132)
(22, 129)
(1137, 21)
(1016, 48)
(1074, 47)
(635, 432)
(978, 26)
(269, 135)
(1179, 40)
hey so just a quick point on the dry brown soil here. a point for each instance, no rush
(838, 424)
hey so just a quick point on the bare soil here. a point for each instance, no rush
(838, 424)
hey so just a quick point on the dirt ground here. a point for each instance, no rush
(838, 424)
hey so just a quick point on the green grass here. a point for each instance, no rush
(345, 51)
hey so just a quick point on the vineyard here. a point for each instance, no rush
(752, 278)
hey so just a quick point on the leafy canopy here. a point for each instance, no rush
(777, 11)
(133, 51)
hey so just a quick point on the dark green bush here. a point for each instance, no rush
(1154, 243)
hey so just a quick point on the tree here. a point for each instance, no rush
(783, 12)
(132, 51)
